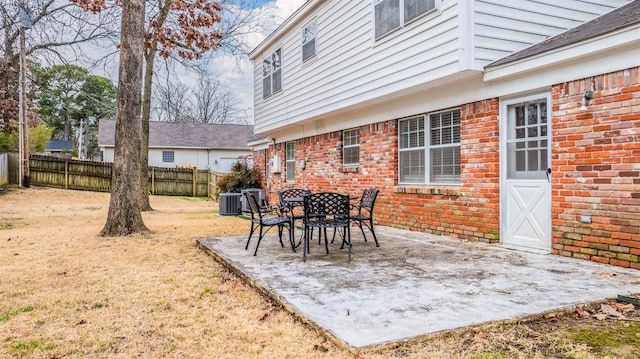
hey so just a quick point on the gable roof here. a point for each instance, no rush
(619, 18)
(186, 134)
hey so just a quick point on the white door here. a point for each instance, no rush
(526, 174)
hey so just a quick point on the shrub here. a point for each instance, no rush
(241, 177)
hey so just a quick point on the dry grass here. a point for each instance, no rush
(66, 292)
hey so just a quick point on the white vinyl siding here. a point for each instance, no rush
(429, 148)
(290, 160)
(309, 41)
(356, 71)
(351, 147)
(350, 70)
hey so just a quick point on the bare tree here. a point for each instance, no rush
(172, 101)
(214, 102)
(124, 215)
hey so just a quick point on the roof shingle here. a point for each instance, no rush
(191, 134)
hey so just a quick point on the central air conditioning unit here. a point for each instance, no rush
(229, 204)
(258, 193)
(276, 166)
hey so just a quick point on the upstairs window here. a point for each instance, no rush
(351, 147)
(272, 74)
(309, 41)
(429, 148)
(391, 14)
(290, 154)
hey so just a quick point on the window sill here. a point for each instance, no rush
(428, 190)
(352, 169)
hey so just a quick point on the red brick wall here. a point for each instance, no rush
(596, 163)
(469, 211)
(596, 173)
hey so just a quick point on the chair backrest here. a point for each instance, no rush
(292, 193)
(253, 205)
(368, 198)
(326, 203)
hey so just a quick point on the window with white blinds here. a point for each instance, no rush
(391, 14)
(429, 148)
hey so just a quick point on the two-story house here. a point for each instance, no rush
(512, 122)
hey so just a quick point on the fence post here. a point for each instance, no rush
(153, 180)
(194, 181)
(66, 173)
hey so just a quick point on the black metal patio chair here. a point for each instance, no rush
(291, 204)
(266, 217)
(365, 212)
(326, 210)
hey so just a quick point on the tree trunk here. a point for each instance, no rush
(124, 215)
(149, 58)
(145, 205)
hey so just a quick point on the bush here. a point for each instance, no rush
(241, 177)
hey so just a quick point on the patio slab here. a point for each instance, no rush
(416, 284)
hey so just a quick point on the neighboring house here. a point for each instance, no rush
(57, 147)
(187, 143)
(467, 115)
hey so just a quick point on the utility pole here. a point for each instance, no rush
(80, 140)
(24, 180)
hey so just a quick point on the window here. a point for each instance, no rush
(351, 147)
(291, 161)
(168, 156)
(309, 41)
(528, 140)
(430, 142)
(272, 74)
(389, 14)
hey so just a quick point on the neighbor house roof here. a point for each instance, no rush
(186, 134)
(58, 145)
(619, 18)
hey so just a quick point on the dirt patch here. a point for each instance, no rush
(66, 292)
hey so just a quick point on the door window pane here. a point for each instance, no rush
(527, 152)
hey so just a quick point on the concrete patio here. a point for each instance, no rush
(415, 284)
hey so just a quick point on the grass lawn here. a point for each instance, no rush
(66, 292)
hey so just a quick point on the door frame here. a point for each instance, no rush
(503, 118)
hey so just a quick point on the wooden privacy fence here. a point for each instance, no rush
(96, 176)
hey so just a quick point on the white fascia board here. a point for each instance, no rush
(628, 37)
(261, 144)
(292, 21)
